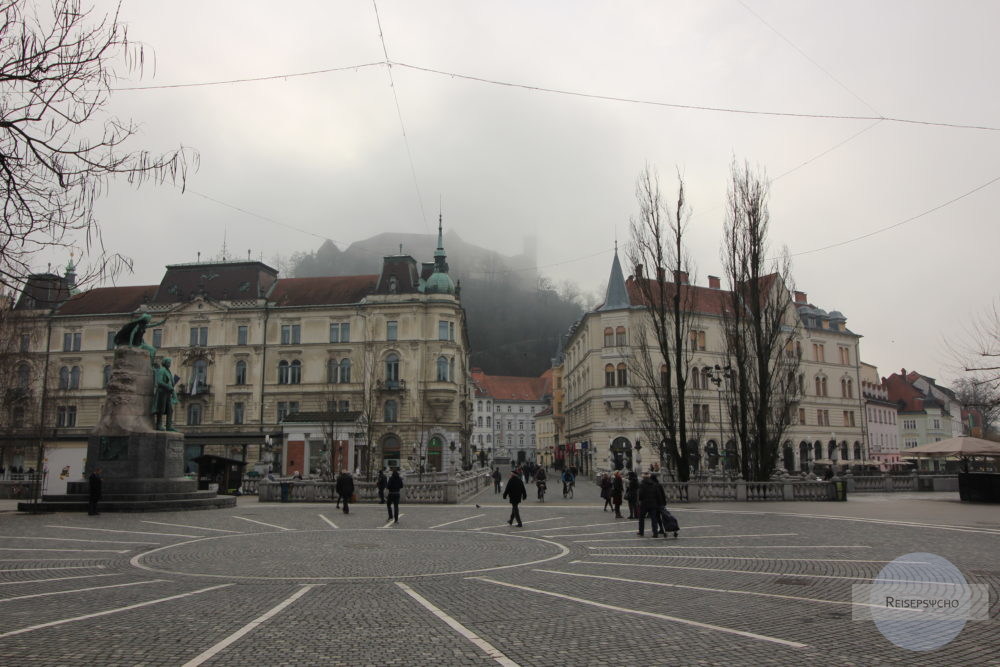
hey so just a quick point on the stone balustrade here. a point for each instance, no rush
(438, 488)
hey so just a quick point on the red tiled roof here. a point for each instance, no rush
(902, 392)
(327, 290)
(702, 299)
(509, 387)
(101, 300)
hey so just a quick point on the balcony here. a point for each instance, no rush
(390, 385)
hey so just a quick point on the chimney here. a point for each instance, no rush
(680, 277)
(661, 274)
(714, 283)
(800, 297)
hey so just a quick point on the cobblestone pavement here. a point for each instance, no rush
(305, 584)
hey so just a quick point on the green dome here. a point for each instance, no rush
(439, 283)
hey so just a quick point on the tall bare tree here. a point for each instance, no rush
(661, 267)
(59, 149)
(760, 326)
(980, 394)
(978, 355)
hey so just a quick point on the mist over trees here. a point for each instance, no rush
(515, 318)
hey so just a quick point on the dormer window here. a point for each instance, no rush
(393, 285)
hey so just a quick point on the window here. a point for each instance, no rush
(937, 423)
(802, 416)
(241, 334)
(71, 342)
(845, 355)
(111, 340)
(241, 372)
(820, 386)
(105, 376)
(66, 416)
(489, 439)
(620, 336)
(157, 338)
(848, 418)
(479, 422)
(291, 334)
(664, 377)
(340, 332)
(392, 330)
(238, 413)
(342, 406)
(442, 369)
(199, 377)
(64, 378)
(609, 337)
(17, 416)
(609, 375)
(25, 342)
(700, 413)
(345, 370)
(622, 375)
(23, 376)
(819, 354)
(391, 411)
(331, 371)
(822, 417)
(69, 378)
(443, 331)
(289, 373)
(286, 408)
(393, 285)
(520, 426)
(487, 422)
(199, 336)
(697, 338)
(194, 414)
(283, 372)
(392, 368)
(510, 426)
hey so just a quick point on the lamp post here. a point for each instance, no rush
(717, 375)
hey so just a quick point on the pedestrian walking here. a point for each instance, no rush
(617, 490)
(380, 485)
(515, 492)
(606, 490)
(648, 505)
(632, 494)
(496, 480)
(394, 486)
(94, 491)
(345, 489)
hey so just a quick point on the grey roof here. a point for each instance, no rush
(617, 296)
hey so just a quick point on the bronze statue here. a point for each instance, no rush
(164, 395)
(131, 334)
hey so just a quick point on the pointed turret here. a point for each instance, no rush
(440, 282)
(617, 296)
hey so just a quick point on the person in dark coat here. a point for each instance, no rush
(496, 480)
(345, 488)
(394, 486)
(632, 495)
(661, 505)
(95, 491)
(515, 492)
(380, 485)
(649, 500)
(617, 490)
(606, 490)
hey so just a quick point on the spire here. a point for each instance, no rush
(617, 296)
(440, 282)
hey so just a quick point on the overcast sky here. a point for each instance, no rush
(326, 154)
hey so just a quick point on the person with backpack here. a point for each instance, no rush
(515, 492)
(394, 486)
(568, 480)
(649, 499)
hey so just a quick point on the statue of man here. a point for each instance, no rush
(164, 395)
(131, 334)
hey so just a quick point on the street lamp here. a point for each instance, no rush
(717, 375)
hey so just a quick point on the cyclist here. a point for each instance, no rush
(568, 481)
(540, 483)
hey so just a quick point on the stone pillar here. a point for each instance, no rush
(741, 489)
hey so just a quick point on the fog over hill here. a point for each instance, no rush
(515, 318)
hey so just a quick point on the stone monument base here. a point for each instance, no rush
(141, 472)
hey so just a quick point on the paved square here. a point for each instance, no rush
(455, 585)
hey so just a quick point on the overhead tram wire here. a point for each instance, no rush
(399, 113)
(571, 93)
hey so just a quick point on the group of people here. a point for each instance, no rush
(644, 498)
(389, 489)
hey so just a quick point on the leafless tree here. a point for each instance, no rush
(59, 149)
(659, 365)
(978, 356)
(760, 326)
(982, 395)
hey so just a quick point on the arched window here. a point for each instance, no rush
(609, 375)
(622, 375)
(106, 376)
(823, 383)
(697, 381)
(392, 368)
(442, 369)
(200, 375)
(479, 406)
(489, 439)
(391, 411)
(241, 372)
(64, 377)
(23, 376)
(609, 337)
(282, 372)
(620, 336)
(74, 377)
(295, 372)
(331, 371)
(843, 387)
(818, 386)
(393, 284)
(488, 422)
(451, 369)
(479, 422)
(850, 389)
(194, 414)
(345, 370)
